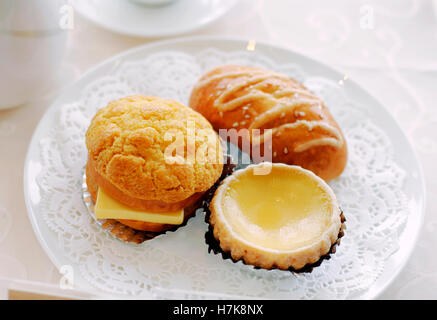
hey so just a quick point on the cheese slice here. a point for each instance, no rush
(108, 208)
(295, 212)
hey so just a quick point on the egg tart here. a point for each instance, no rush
(286, 219)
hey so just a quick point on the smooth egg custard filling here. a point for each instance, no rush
(283, 210)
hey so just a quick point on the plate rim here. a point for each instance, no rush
(213, 42)
(143, 33)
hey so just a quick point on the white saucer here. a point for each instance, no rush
(130, 18)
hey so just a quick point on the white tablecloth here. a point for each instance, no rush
(393, 55)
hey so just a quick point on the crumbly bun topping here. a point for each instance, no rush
(154, 149)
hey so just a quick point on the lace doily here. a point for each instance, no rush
(369, 192)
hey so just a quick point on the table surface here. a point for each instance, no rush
(394, 58)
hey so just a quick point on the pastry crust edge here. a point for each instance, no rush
(265, 258)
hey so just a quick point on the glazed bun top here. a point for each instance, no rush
(301, 130)
(154, 149)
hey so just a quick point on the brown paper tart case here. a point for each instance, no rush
(214, 244)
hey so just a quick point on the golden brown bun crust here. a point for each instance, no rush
(126, 145)
(93, 187)
(304, 132)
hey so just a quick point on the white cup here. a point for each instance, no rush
(32, 45)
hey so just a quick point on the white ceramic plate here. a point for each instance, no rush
(130, 18)
(111, 269)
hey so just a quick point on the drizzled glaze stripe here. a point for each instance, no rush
(293, 97)
(336, 140)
